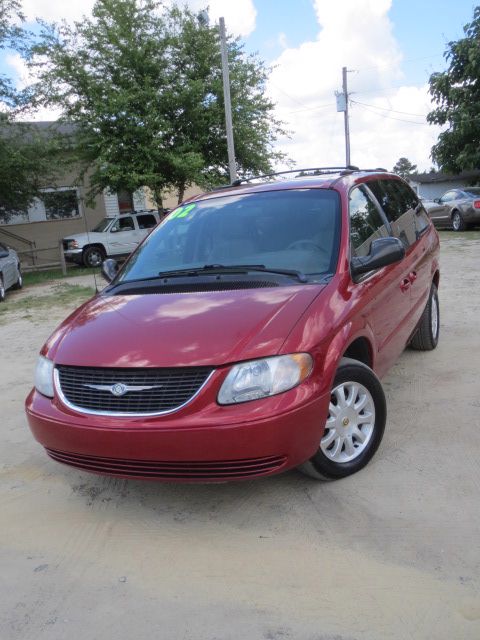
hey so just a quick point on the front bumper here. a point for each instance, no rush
(73, 255)
(198, 447)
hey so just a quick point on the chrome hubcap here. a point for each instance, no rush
(456, 221)
(95, 259)
(434, 318)
(350, 423)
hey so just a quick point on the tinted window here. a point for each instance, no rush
(123, 224)
(366, 223)
(146, 221)
(399, 203)
(289, 229)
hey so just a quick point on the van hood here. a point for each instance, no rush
(184, 329)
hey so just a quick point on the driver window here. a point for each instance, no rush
(366, 223)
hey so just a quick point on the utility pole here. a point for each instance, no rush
(345, 116)
(228, 106)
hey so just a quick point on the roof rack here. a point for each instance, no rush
(316, 171)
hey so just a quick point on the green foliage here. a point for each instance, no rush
(144, 86)
(457, 94)
(404, 167)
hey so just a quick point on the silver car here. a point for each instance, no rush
(10, 272)
(458, 209)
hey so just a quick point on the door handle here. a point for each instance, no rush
(412, 276)
(405, 284)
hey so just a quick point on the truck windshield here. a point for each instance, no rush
(296, 229)
(103, 225)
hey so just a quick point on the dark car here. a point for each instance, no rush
(10, 271)
(246, 334)
(458, 209)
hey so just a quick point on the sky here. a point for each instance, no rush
(390, 48)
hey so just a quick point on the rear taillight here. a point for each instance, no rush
(476, 204)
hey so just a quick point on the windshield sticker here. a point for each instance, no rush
(182, 212)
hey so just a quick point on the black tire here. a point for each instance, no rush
(458, 223)
(426, 336)
(93, 256)
(322, 467)
(2, 289)
(19, 282)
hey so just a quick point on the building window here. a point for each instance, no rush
(125, 201)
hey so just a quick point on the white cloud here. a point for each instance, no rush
(53, 10)
(356, 34)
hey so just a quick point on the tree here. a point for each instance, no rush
(143, 84)
(27, 159)
(404, 167)
(456, 91)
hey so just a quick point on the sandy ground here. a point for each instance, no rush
(391, 553)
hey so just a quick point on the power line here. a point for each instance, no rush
(384, 115)
(405, 113)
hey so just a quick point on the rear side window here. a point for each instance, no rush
(146, 221)
(399, 204)
(366, 223)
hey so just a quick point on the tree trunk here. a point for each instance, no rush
(157, 194)
(181, 192)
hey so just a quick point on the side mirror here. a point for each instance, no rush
(109, 269)
(437, 200)
(383, 251)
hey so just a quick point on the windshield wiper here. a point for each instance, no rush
(232, 268)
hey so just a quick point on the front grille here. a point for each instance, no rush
(193, 471)
(171, 388)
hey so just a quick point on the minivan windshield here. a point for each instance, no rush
(296, 229)
(103, 225)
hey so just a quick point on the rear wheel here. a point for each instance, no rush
(355, 423)
(426, 336)
(93, 256)
(458, 223)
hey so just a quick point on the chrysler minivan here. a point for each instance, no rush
(246, 335)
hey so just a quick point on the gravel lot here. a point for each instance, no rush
(390, 553)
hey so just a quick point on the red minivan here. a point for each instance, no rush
(246, 335)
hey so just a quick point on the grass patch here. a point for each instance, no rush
(63, 295)
(37, 277)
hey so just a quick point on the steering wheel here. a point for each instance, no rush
(304, 244)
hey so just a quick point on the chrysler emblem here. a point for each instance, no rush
(119, 389)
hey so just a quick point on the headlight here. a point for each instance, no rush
(44, 376)
(72, 244)
(266, 377)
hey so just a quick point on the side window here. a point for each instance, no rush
(448, 197)
(398, 202)
(123, 224)
(366, 223)
(146, 221)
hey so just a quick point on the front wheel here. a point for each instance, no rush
(93, 256)
(19, 282)
(2, 289)
(355, 424)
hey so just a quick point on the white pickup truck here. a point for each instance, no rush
(112, 237)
